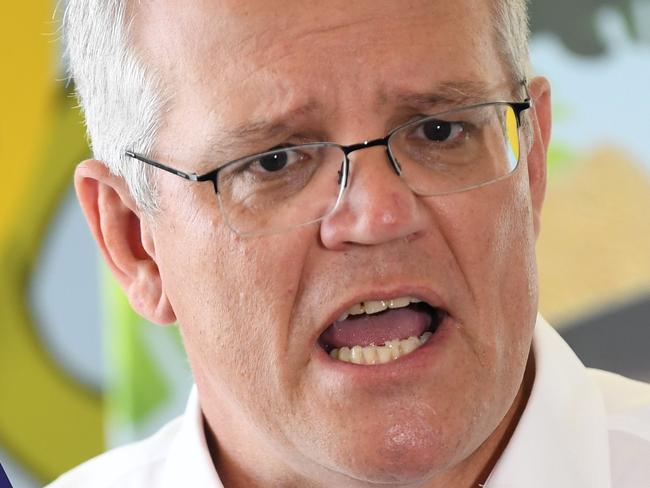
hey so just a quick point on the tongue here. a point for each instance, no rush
(376, 329)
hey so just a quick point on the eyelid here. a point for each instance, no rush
(288, 145)
(420, 117)
(284, 145)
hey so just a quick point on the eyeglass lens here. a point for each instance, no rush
(446, 153)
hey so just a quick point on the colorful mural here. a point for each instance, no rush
(48, 421)
(594, 249)
(79, 371)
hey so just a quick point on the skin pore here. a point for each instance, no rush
(251, 309)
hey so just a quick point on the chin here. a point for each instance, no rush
(409, 466)
(408, 452)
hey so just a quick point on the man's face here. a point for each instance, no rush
(252, 310)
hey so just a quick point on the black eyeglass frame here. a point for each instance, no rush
(213, 175)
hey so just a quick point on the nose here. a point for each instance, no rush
(377, 205)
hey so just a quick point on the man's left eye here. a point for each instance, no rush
(440, 130)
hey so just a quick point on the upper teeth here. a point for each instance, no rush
(376, 306)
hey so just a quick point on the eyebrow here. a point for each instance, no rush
(445, 94)
(226, 142)
(223, 144)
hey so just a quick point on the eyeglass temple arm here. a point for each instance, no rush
(519, 107)
(528, 98)
(169, 169)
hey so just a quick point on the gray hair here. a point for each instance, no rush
(512, 31)
(123, 101)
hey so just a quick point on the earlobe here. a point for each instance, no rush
(540, 92)
(124, 239)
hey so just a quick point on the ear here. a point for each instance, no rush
(540, 119)
(124, 238)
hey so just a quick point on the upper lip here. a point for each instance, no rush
(426, 294)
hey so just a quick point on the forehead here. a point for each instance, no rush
(248, 59)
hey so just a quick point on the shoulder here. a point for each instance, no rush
(623, 397)
(137, 464)
(627, 407)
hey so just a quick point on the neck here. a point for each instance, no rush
(509, 423)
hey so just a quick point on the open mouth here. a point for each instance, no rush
(381, 331)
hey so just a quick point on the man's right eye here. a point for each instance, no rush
(274, 162)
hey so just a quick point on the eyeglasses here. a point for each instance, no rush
(288, 187)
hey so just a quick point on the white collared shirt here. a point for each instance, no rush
(581, 428)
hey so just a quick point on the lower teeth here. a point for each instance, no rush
(380, 354)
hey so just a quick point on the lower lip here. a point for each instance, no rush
(423, 357)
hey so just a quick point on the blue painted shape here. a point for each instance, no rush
(4, 481)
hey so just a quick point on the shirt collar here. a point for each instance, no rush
(561, 439)
(189, 462)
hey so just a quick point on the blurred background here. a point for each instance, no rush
(80, 372)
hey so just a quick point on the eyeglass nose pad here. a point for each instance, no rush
(345, 165)
(342, 176)
(394, 162)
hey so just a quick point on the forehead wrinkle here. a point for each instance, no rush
(336, 27)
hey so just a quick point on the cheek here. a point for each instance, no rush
(233, 298)
(514, 250)
(494, 240)
(515, 290)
